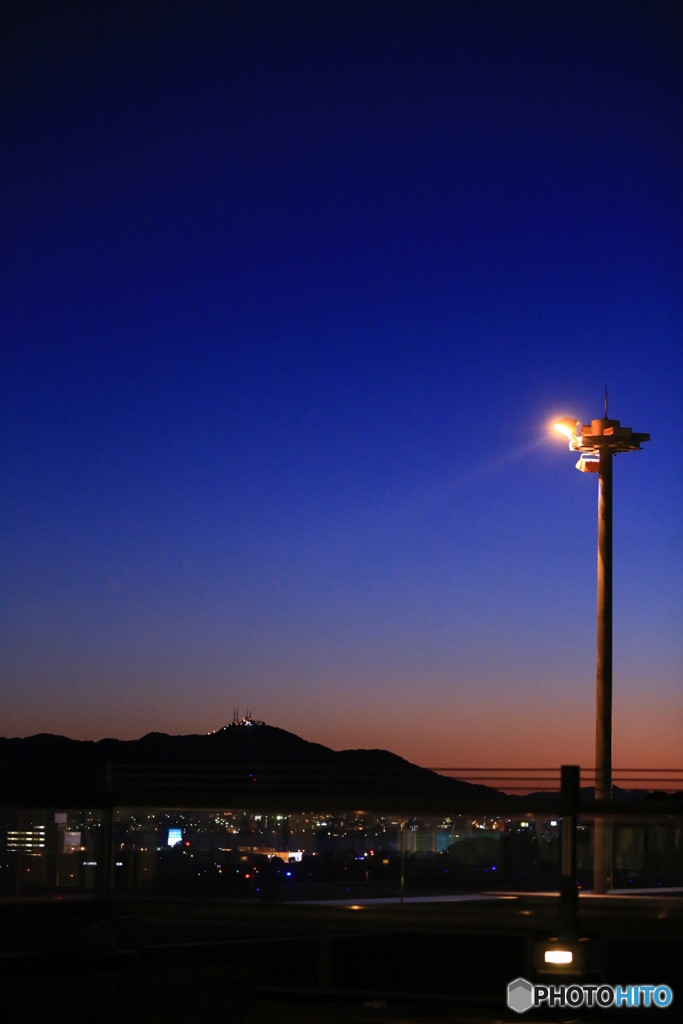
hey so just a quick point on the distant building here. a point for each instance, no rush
(32, 839)
(271, 851)
(72, 842)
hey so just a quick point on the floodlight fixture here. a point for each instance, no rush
(568, 427)
(590, 439)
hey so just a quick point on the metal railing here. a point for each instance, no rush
(524, 795)
(547, 780)
(307, 785)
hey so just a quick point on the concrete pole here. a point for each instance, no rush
(602, 862)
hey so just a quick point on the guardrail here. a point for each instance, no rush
(547, 780)
(433, 789)
(403, 794)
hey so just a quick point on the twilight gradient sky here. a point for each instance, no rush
(289, 294)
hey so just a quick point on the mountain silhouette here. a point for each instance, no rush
(252, 758)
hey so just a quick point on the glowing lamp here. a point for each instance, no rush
(558, 956)
(568, 427)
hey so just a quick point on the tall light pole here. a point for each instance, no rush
(597, 443)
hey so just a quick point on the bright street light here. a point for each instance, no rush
(596, 443)
(567, 426)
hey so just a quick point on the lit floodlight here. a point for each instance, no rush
(558, 956)
(568, 427)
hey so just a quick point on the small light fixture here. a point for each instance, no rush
(558, 956)
(569, 427)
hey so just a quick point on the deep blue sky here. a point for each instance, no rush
(289, 294)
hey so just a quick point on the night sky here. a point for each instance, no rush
(289, 295)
